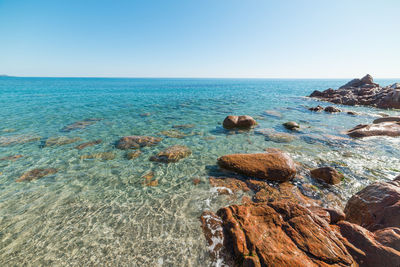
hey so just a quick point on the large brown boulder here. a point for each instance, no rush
(275, 166)
(137, 141)
(377, 206)
(327, 174)
(376, 129)
(231, 122)
(281, 234)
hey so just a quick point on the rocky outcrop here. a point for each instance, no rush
(375, 207)
(36, 174)
(241, 122)
(376, 129)
(86, 144)
(172, 154)
(79, 125)
(327, 174)
(362, 92)
(137, 141)
(274, 166)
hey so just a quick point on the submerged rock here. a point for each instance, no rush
(291, 125)
(36, 174)
(272, 135)
(91, 143)
(231, 122)
(172, 154)
(100, 155)
(61, 140)
(362, 92)
(273, 113)
(13, 157)
(18, 139)
(133, 154)
(377, 129)
(274, 166)
(137, 141)
(327, 174)
(79, 125)
(173, 133)
(148, 179)
(184, 126)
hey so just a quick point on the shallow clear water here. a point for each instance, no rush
(99, 212)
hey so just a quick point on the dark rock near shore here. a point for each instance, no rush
(387, 119)
(243, 122)
(291, 125)
(327, 174)
(331, 109)
(137, 141)
(172, 154)
(362, 92)
(36, 174)
(316, 109)
(275, 166)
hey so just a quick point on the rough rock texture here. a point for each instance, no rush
(61, 140)
(278, 137)
(172, 154)
(100, 155)
(18, 139)
(231, 122)
(275, 166)
(137, 141)
(316, 109)
(133, 154)
(281, 234)
(36, 174)
(331, 109)
(291, 125)
(387, 119)
(327, 174)
(86, 144)
(375, 207)
(362, 92)
(375, 129)
(79, 125)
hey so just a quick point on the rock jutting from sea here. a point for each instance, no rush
(362, 92)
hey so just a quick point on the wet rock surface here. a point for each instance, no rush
(362, 92)
(79, 125)
(291, 125)
(172, 154)
(137, 141)
(274, 166)
(327, 174)
(331, 109)
(244, 122)
(36, 174)
(376, 129)
(87, 144)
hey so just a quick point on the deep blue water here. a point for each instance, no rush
(95, 211)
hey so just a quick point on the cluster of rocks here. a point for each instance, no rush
(282, 227)
(362, 92)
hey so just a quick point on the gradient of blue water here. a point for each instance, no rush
(99, 212)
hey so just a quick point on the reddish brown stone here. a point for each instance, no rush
(134, 142)
(239, 122)
(36, 174)
(91, 143)
(327, 174)
(379, 129)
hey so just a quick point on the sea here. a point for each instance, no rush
(98, 208)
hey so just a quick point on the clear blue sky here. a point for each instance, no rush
(202, 38)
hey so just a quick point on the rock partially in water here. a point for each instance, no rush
(275, 166)
(172, 154)
(362, 92)
(387, 119)
(79, 125)
(86, 144)
(243, 122)
(375, 207)
(281, 234)
(327, 174)
(331, 109)
(377, 129)
(12, 157)
(18, 139)
(353, 113)
(100, 155)
(317, 108)
(291, 125)
(133, 154)
(36, 174)
(61, 140)
(137, 141)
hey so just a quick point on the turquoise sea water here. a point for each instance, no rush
(100, 212)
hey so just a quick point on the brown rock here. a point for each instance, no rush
(36, 174)
(172, 154)
(331, 109)
(271, 166)
(291, 125)
(86, 144)
(226, 185)
(133, 154)
(327, 174)
(379, 129)
(196, 181)
(17, 139)
(281, 234)
(100, 155)
(231, 122)
(136, 141)
(377, 206)
(61, 140)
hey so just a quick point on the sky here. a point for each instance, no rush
(200, 38)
